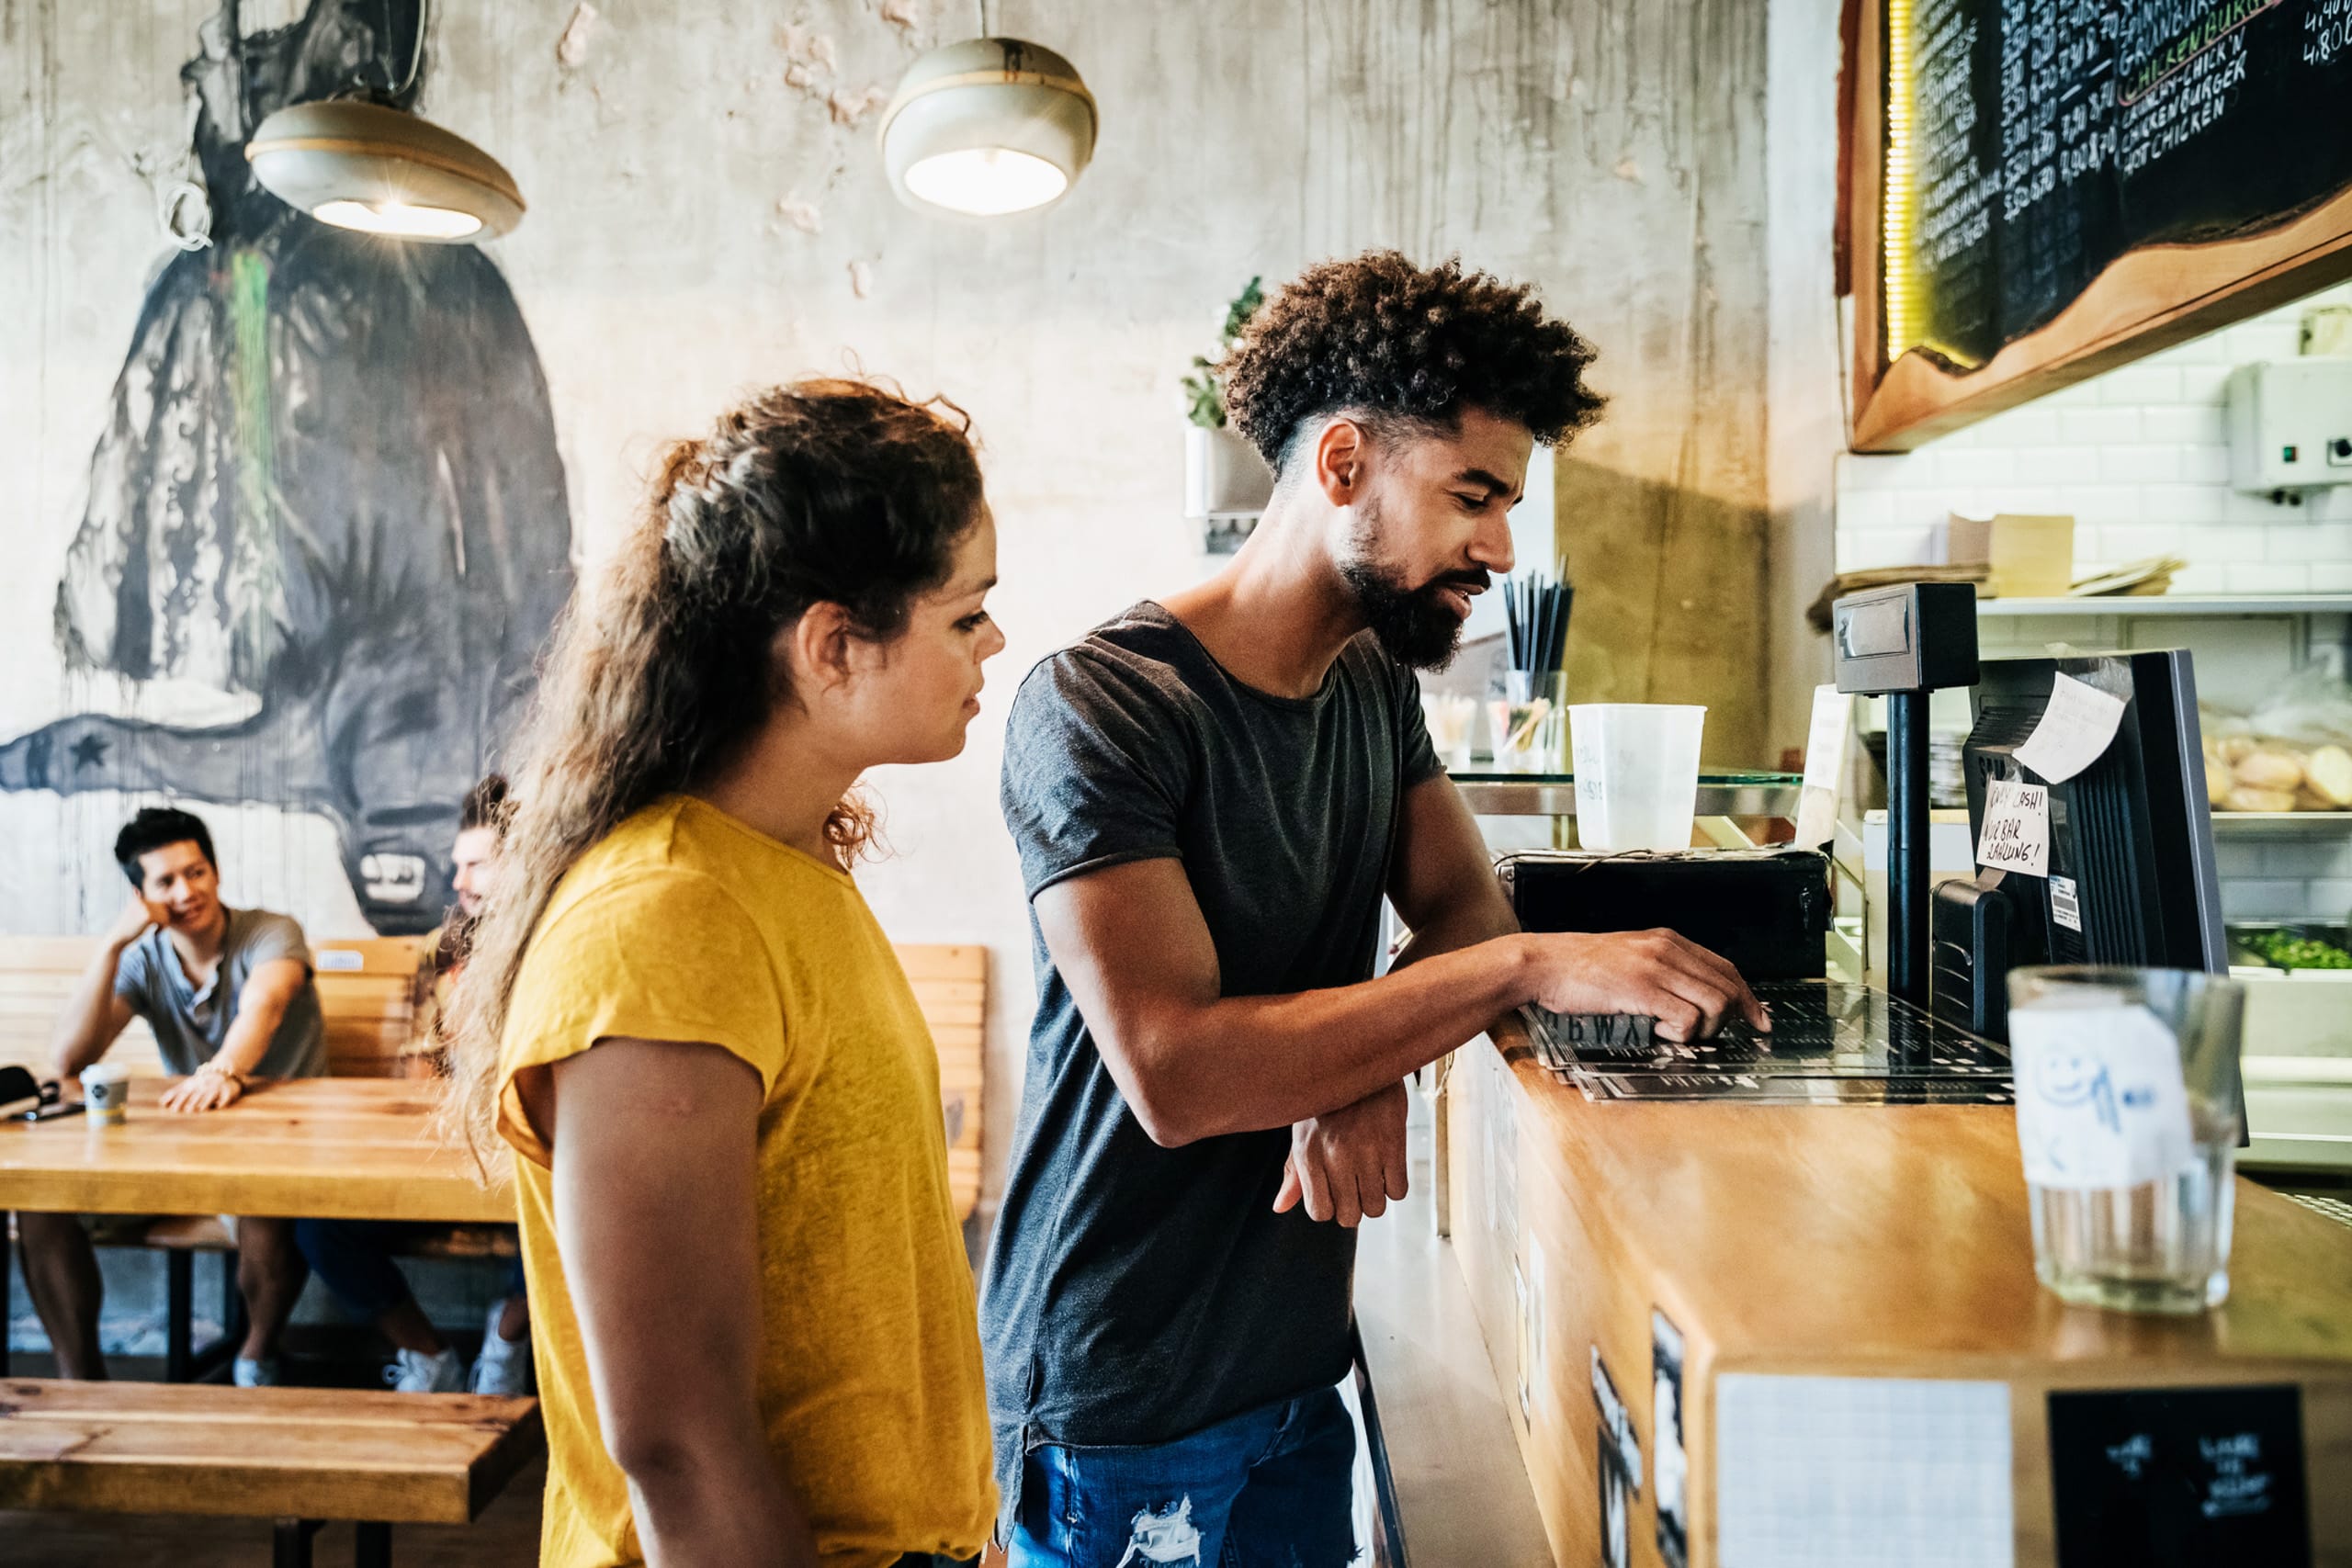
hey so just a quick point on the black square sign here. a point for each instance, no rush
(2179, 1477)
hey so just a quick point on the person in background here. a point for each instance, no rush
(231, 996)
(355, 1258)
(1211, 795)
(753, 1317)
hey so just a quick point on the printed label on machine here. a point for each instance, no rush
(2102, 1101)
(2017, 828)
(2066, 903)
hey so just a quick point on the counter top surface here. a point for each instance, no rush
(1846, 1232)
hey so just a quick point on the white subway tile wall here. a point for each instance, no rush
(2140, 458)
(2137, 455)
(2285, 879)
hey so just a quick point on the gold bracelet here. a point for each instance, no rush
(215, 1068)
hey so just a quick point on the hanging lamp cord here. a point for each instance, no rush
(416, 52)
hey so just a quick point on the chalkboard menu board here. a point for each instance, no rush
(2010, 151)
(2049, 137)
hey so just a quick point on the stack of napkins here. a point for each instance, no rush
(2135, 580)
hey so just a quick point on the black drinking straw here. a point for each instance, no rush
(1535, 615)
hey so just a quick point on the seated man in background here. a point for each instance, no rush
(354, 1256)
(229, 996)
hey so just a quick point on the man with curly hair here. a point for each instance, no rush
(1211, 795)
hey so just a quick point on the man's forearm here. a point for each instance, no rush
(247, 1042)
(1463, 924)
(1242, 1064)
(82, 1036)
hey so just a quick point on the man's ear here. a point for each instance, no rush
(815, 651)
(1338, 457)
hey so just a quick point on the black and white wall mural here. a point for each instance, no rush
(327, 491)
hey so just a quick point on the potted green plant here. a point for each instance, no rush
(1224, 476)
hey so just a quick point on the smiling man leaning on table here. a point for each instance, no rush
(231, 996)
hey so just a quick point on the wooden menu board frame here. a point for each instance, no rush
(2148, 298)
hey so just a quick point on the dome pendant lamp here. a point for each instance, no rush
(988, 127)
(382, 170)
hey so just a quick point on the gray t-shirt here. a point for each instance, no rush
(190, 1024)
(1137, 1293)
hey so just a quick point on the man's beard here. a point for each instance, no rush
(1416, 628)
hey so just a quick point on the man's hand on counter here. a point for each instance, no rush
(1691, 991)
(1349, 1165)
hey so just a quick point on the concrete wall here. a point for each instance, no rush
(699, 225)
(1805, 394)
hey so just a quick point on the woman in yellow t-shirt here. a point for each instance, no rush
(750, 1310)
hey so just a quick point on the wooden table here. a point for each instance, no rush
(310, 1149)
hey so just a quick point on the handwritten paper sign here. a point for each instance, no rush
(2102, 1101)
(2076, 730)
(2017, 828)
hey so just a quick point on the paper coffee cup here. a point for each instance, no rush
(105, 1091)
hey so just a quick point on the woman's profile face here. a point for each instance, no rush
(913, 700)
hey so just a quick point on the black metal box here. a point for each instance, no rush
(1765, 909)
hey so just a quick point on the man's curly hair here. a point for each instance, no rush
(1400, 343)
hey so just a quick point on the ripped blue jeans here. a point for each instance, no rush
(1272, 1488)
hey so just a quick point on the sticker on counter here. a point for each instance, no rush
(1815, 1471)
(1534, 1374)
(2100, 1097)
(2065, 906)
(1824, 758)
(1619, 1462)
(2180, 1475)
(2017, 828)
(1673, 1466)
(2076, 730)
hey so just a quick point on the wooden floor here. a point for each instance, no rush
(506, 1534)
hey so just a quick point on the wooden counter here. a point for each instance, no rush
(1851, 1243)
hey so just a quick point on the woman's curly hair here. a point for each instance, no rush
(1379, 335)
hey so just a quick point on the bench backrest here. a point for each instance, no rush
(363, 992)
(364, 988)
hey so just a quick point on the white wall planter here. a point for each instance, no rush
(1224, 476)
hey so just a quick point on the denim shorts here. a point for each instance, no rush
(1272, 1488)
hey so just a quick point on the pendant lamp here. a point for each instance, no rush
(366, 166)
(988, 127)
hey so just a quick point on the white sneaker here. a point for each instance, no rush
(248, 1373)
(503, 1368)
(412, 1372)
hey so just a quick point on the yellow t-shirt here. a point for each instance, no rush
(685, 924)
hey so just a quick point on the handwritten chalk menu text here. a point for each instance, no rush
(2196, 1477)
(2031, 142)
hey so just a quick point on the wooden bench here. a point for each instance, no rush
(364, 990)
(299, 1456)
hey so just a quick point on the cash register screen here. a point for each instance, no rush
(1831, 1043)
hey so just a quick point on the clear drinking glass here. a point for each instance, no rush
(2128, 1107)
(1527, 721)
(1450, 716)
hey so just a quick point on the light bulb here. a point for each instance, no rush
(399, 218)
(986, 182)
